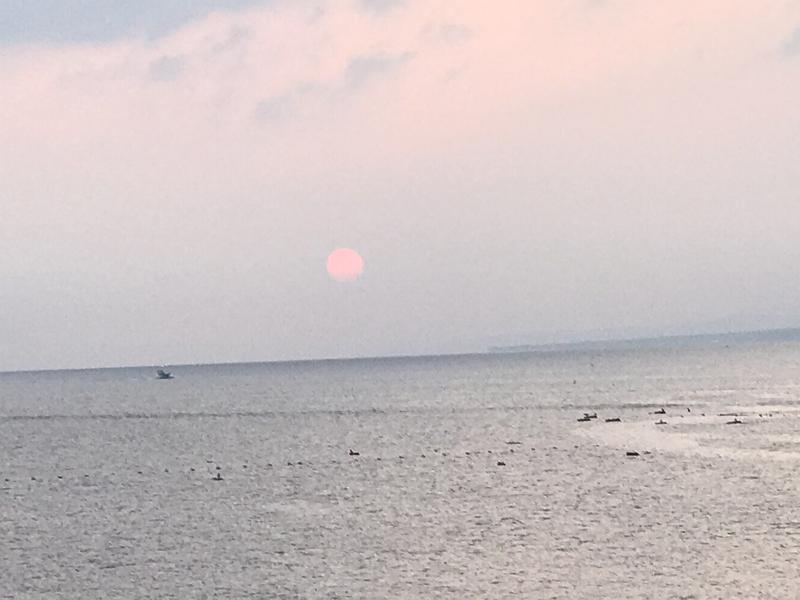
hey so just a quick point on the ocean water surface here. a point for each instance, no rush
(473, 478)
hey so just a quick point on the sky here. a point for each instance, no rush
(174, 174)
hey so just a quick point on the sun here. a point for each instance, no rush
(344, 264)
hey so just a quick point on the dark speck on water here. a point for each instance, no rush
(427, 511)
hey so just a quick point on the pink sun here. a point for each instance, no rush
(344, 264)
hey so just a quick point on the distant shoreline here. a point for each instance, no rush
(666, 341)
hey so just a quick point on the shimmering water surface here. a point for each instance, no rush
(106, 486)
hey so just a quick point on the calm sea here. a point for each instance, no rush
(473, 478)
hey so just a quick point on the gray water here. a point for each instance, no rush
(106, 486)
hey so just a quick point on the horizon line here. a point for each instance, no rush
(489, 350)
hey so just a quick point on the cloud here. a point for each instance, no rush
(791, 47)
(276, 108)
(449, 33)
(381, 6)
(167, 68)
(288, 104)
(362, 69)
(237, 35)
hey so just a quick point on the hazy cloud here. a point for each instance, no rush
(167, 68)
(449, 33)
(276, 108)
(381, 6)
(362, 69)
(791, 47)
(296, 102)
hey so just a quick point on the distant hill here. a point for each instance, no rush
(676, 341)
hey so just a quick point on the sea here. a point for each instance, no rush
(465, 477)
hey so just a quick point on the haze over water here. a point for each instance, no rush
(106, 486)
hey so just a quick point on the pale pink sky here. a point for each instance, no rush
(568, 167)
